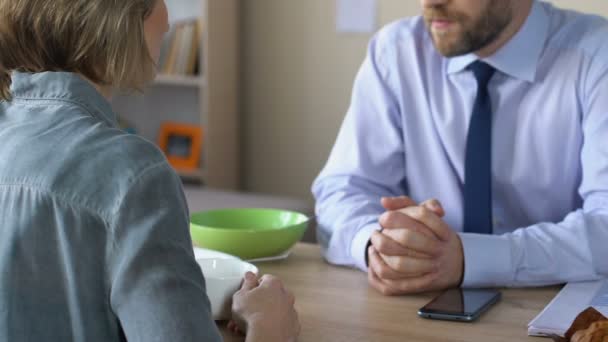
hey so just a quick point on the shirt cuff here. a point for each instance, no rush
(358, 248)
(487, 260)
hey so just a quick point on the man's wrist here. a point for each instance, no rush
(462, 263)
(360, 244)
(481, 271)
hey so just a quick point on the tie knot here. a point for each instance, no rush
(483, 72)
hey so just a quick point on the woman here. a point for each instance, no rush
(94, 242)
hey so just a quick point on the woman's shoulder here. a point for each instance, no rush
(104, 165)
(128, 153)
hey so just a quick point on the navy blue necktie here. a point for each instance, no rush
(478, 162)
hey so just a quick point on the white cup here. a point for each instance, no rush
(223, 278)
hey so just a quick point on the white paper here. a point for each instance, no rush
(573, 299)
(357, 16)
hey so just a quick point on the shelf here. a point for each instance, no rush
(197, 175)
(210, 99)
(179, 80)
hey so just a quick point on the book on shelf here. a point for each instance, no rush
(181, 49)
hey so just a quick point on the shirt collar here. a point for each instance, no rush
(63, 86)
(520, 56)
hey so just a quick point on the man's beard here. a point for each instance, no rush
(473, 34)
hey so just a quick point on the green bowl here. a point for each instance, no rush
(248, 233)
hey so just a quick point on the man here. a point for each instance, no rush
(499, 110)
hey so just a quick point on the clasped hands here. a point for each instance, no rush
(415, 251)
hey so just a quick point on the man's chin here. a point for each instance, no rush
(450, 49)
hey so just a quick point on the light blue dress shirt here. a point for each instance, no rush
(406, 129)
(94, 241)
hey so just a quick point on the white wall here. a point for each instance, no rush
(298, 73)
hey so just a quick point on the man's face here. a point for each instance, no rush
(459, 27)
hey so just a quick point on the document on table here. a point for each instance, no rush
(573, 299)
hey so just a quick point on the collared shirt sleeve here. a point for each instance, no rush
(571, 250)
(366, 163)
(157, 289)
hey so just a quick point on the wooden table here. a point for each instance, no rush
(336, 304)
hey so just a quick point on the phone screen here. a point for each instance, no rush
(461, 302)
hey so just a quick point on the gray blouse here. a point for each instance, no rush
(94, 242)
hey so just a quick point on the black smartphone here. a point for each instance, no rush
(464, 305)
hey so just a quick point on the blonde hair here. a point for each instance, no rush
(103, 40)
